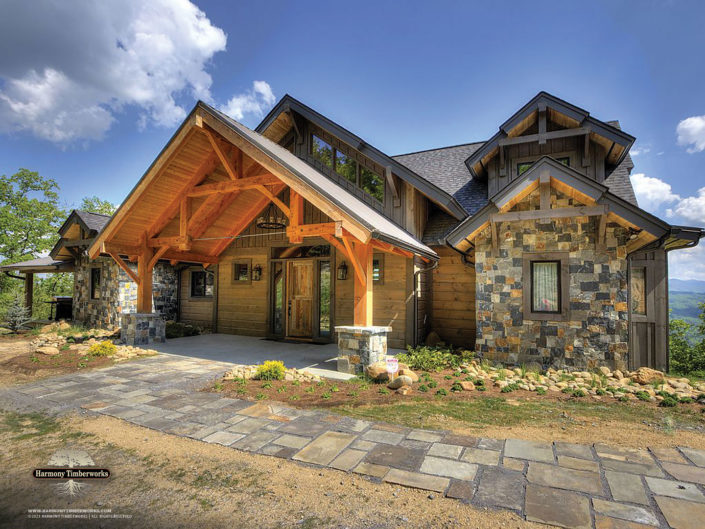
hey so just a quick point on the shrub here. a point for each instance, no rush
(175, 329)
(441, 392)
(383, 391)
(104, 348)
(567, 390)
(423, 388)
(456, 387)
(427, 358)
(579, 393)
(270, 370)
(686, 400)
(668, 402)
(17, 315)
(447, 377)
(623, 398)
(685, 354)
(540, 391)
(432, 384)
(601, 392)
(325, 395)
(643, 395)
(267, 385)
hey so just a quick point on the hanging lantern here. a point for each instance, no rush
(343, 271)
(272, 219)
(257, 273)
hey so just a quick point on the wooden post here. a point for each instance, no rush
(144, 287)
(363, 290)
(28, 291)
(296, 219)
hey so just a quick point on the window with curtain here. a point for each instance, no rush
(545, 286)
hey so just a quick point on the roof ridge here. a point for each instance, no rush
(91, 213)
(440, 148)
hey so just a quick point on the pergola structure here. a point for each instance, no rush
(209, 183)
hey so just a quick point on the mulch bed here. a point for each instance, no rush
(358, 393)
(66, 361)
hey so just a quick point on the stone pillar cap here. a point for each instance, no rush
(363, 329)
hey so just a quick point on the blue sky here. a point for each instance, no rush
(90, 100)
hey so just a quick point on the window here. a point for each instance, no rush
(241, 272)
(345, 166)
(95, 283)
(321, 151)
(202, 284)
(522, 167)
(546, 286)
(378, 268)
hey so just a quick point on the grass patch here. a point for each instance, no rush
(28, 425)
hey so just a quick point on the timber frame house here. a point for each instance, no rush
(528, 247)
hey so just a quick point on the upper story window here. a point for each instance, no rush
(344, 165)
(524, 166)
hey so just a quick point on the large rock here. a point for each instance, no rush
(377, 371)
(401, 380)
(646, 375)
(467, 385)
(48, 350)
(409, 373)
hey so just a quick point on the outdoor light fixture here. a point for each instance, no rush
(272, 219)
(634, 233)
(343, 271)
(256, 273)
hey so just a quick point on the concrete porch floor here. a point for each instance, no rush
(251, 350)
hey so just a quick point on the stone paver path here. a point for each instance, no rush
(563, 484)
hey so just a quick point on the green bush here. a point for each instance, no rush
(456, 387)
(600, 392)
(686, 355)
(423, 388)
(179, 330)
(432, 384)
(668, 402)
(540, 391)
(643, 395)
(579, 393)
(441, 392)
(270, 370)
(104, 348)
(427, 358)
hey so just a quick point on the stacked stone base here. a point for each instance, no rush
(359, 347)
(142, 329)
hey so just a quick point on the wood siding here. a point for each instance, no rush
(453, 299)
(196, 311)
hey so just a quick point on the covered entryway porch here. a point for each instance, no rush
(211, 184)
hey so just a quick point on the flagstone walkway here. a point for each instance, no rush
(563, 484)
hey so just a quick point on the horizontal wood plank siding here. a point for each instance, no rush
(453, 299)
(196, 311)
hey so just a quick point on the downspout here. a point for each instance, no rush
(416, 297)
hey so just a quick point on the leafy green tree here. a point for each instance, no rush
(29, 215)
(96, 204)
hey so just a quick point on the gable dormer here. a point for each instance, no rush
(351, 162)
(77, 233)
(549, 126)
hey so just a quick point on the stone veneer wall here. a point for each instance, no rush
(596, 331)
(118, 293)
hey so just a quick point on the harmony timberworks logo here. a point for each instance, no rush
(70, 465)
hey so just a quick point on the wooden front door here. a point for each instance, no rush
(300, 299)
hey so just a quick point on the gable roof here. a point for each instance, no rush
(40, 265)
(273, 158)
(573, 117)
(429, 188)
(89, 221)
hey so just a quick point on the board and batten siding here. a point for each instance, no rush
(388, 299)
(196, 311)
(453, 299)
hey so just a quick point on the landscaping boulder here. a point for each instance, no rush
(467, 385)
(398, 382)
(377, 371)
(404, 390)
(48, 350)
(646, 375)
(409, 373)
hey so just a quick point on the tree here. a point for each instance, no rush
(17, 314)
(96, 204)
(29, 215)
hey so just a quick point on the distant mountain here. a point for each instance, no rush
(686, 285)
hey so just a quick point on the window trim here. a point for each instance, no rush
(563, 285)
(236, 262)
(379, 257)
(531, 160)
(90, 286)
(558, 286)
(190, 285)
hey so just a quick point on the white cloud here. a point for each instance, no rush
(636, 151)
(70, 67)
(652, 192)
(254, 101)
(688, 263)
(691, 131)
(691, 208)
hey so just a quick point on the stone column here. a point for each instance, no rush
(142, 329)
(359, 347)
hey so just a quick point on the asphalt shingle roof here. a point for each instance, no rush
(94, 221)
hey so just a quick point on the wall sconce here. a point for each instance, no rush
(634, 233)
(256, 273)
(343, 271)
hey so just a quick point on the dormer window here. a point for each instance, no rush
(346, 166)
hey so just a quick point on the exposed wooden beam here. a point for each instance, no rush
(211, 208)
(315, 230)
(542, 124)
(354, 258)
(70, 243)
(184, 213)
(602, 233)
(553, 135)
(495, 238)
(296, 218)
(144, 285)
(545, 190)
(170, 212)
(502, 163)
(122, 264)
(157, 255)
(335, 242)
(558, 213)
(266, 179)
(266, 192)
(232, 172)
(392, 185)
(586, 150)
(389, 248)
(175, 240)
(362, 286)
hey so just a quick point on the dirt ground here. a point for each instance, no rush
(159, 480)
